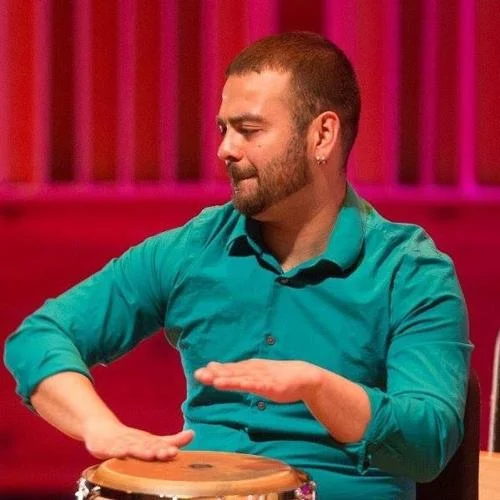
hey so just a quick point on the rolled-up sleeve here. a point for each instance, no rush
(97, 320)
(417, 420)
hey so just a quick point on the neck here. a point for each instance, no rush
(301, 230)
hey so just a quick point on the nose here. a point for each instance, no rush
(228, 149)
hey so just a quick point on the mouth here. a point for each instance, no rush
(239, 179)
(238, 174)
(240, 185)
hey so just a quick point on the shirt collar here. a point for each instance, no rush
(348, 235)
(345, 243)
(244, 231)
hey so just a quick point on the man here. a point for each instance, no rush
(311, 329)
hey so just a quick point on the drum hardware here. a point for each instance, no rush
(84, 493)
(306, 492)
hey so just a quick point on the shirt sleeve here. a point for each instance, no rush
(417, 421)
(99, 319)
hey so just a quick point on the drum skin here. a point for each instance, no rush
(195, 475)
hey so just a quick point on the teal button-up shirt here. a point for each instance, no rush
(381, 306)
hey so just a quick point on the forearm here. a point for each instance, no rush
(69, 402)
(342, 406)
(348, 417)
(404, 435)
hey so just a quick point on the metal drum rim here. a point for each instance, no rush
(87, 490)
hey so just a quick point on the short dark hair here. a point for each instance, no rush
(322, 77)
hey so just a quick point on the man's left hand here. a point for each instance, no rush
(278, 381)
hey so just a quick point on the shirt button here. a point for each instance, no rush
(261, 405)
(270, 340)
(284, 281)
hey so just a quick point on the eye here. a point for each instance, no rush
(222, 130)
(248, 131)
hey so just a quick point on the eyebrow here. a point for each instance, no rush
(239, 119)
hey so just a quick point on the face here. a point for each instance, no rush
(266, 158)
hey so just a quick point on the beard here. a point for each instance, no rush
(279, 178)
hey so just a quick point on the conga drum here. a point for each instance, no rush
(195, 475)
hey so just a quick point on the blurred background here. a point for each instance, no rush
(107, 135)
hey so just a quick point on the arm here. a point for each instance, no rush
(94, 322)
(69, 402)
(417, 420)
(291, 381)
(348, 419)
(413, 425)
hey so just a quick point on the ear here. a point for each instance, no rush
(326, 134)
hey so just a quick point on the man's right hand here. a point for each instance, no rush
(69, 402)
(117, 440)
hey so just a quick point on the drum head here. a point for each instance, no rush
(193, 474)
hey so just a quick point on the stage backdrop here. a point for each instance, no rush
(107, 135)
(126, 91)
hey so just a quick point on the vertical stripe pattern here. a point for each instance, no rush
(125, 92)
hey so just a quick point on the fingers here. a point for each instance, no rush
(228, 376)
(144, 449)
(279, 381)
(180, 439)
(130, 442)
(152, 448)
(236, 383)
(224, 377)
(204, 375)
(214, 370)
(160, 447)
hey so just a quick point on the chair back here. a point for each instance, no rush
(494, 430)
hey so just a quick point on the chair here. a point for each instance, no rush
(459, 480)
(494, 430)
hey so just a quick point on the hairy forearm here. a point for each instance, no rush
(342, 406)
(69, 402)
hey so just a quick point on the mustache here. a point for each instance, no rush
(238, 172)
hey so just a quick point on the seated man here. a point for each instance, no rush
(310, 328)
